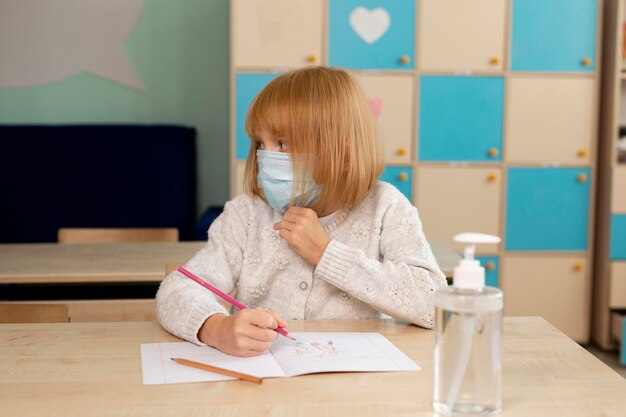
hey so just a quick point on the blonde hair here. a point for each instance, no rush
(320, 112)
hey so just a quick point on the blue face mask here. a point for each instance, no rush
(276, 178)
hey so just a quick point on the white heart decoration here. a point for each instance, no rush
(370, 25)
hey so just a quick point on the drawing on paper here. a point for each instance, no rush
(316, 349)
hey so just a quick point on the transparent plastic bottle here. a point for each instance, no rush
(468, 330)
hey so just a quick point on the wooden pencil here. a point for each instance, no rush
(217, 370)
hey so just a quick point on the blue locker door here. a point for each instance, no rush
(401, 178)
(554, 35)
(460, 118)
(371, 34)
(547, 209)
(492, 268)
(618, 238)
(248, 86)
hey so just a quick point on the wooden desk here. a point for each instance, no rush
(107, 262)
(80, 369)
(115, 262)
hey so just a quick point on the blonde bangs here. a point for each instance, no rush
(320, 112)
(268, 111)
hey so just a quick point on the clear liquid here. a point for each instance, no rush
(468, 332)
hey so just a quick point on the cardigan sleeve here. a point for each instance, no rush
(182, 304)
(402, 282)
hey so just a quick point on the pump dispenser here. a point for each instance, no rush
(469, 273)
(468, 329)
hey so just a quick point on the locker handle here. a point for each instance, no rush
(312, 58)
(586, 61)
(401, 151)
(493, 152)
(495, 60)
(578, 266)
(404, 59)
(492, 177)
(582, 177)
(403, 176)
(490, 266)
(581, 153)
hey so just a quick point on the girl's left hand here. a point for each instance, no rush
(304, 233)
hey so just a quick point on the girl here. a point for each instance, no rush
(315, 236)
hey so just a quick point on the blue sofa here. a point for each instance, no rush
(96, 176)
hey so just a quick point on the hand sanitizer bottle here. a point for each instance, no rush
(468, 328)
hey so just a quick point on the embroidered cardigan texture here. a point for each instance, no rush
(377, 261)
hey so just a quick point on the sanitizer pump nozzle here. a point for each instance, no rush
(469, 274)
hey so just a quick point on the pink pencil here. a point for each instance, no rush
(224, 296)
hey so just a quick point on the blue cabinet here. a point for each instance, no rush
(460, 118)
(618, 237)
(492, 268)
(400, 177)
(547, 209)
(371, 34)
(248, 86)
(554, 35)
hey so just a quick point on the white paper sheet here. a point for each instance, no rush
(339, 352)
(311, 353)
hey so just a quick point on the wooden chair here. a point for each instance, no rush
(123, 310)
(114, 310)
(78, 311)
(171, 266)
(33, 313)
(112, 235)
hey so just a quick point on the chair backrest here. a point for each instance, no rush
(112, 235)
(171, 266)
(33, 313)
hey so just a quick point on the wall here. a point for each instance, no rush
(180, 51)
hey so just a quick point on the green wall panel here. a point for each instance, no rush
(180, 52)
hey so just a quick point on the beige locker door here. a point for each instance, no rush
(618, 285)
(391, 100)
(549, 120)
(556, 288)
(461, 35)
(456, 200)
(276, 34)
(616, 326)
(618, 191)
(236, 186)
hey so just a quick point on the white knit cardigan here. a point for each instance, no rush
(377, 261)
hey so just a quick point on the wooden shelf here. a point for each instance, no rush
(606, 275)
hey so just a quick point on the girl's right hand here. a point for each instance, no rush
(248, 332)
